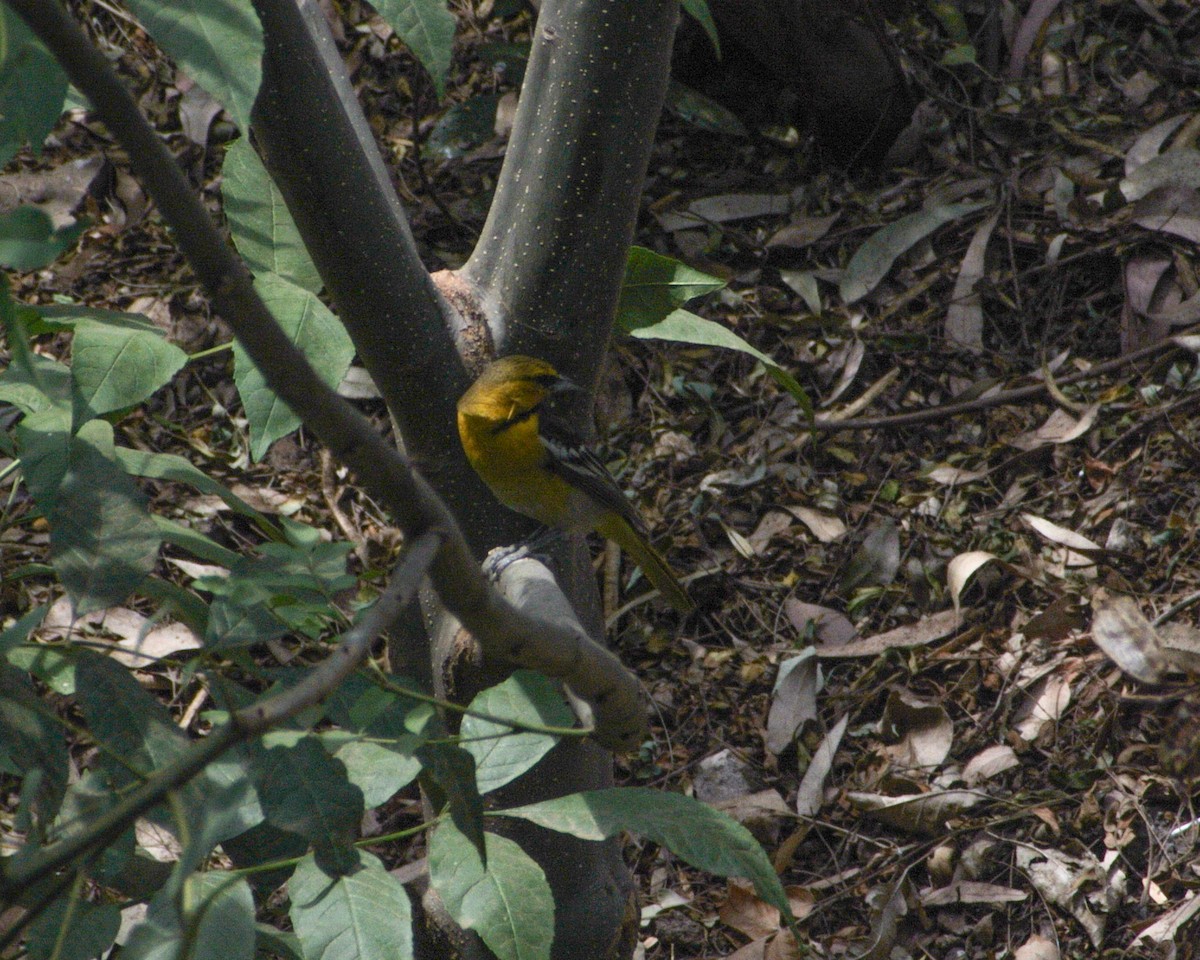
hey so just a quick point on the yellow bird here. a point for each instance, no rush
(523, 448)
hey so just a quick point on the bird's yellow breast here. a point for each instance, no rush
(512, 462)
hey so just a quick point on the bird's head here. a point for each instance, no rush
(514, 385)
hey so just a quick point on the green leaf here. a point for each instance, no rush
(103, 542)
(453, 770)
(33, 88)
(698, 9)
(654, 286)
(426, 27)
(32, 741)
(684, 327)
(262, 229)
(218, 42)
(500, 754)
(18, 632)
(29, 241)
(318, 334)
(704, 837)
(303, 790)
(42, 385)
(168, 466)
(287, 588)
(379, 770)
(74, 930)
(135, 727)
(50, 665)
(218, 923)
(872, 261)
(115, 368)
(90, 797)
(508, 902)
(364, 915)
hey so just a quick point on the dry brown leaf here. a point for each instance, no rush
(810, 797)
(1149, 144)
(971, 891)
(827, 625)
(793, 700)
(1048, 699)
(1166, 929)
(743, 910)
(964, 316)
(803, 231)
(1081, 885)
(1037, 948)
(1126, 637)
(989, 763)
(926, 630)
(1060, 427)
(760, 813)
(923, 730)
(1176, 168)
(724, 208)
(773, 523)
(924, 814)
(954, 476)
(962, 568)
(824, 526)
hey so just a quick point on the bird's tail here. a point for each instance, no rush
(656, 569)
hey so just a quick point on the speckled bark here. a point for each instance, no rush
(549, 265)
(544, 279)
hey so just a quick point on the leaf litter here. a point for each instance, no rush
(985, 742)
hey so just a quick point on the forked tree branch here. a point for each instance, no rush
(504, 632)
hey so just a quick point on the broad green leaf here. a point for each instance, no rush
(703, 16)
(501, 755)
(453, 770)
(50, 665)
(682, 326)
(287, 588)
(872, 261)
(379, 770)
(114, 368)
(32, 88)
(508, 902)
(32, 741)
(303, 790)
(318, 334)
(426, 27)
(196, 544)
(90, 797)
(655, 285)
(44, 384)
(219, 922)
(280, 943)
(363, 915)
(74, 930)
(262, 229)
(168, 466)
(103, 542)
(29, 240)
(117, 359)
(218, 42)
(704, 837)
(19, 631)
(125, 718)
(133, 726)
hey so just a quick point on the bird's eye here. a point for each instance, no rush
(546, 380)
